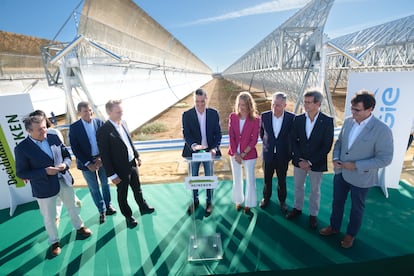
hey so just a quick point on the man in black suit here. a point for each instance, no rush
(201, 131)
(120, 158)
(275, 132)
(312, 138)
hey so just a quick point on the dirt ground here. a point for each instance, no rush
(169, 167)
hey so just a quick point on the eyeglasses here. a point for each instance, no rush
(356, 110)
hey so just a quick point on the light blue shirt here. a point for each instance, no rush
(91, 132)
(44, 146)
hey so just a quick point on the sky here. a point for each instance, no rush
(217, 31)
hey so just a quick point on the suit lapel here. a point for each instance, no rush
(318, 123)
(197, 123)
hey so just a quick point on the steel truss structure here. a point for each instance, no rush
(386, 47)
(289, 59)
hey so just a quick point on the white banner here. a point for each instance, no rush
(13, 190)
(394, 106)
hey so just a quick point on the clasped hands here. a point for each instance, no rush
(94, 166)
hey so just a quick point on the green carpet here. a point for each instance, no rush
(264, 243)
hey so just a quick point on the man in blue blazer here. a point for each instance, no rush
(312, 138)
(201, 131)
(275, 131)
(82, 136)
(120, 160)
(44, 160)
(364, 145)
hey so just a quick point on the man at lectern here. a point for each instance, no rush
(201, 131)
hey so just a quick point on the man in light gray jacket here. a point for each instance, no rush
(364, 145)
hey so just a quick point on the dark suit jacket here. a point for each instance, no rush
(192, 134)
(80, 144)
(31, 162)
(113, 151)
(282, 143)
(316, 148)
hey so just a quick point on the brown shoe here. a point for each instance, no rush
(84, 232)
(238, 207)
(348, 241)
(294, 213)
(328, 231)
(313, 222)
(263, 203)
(247, 210)
(55, 249)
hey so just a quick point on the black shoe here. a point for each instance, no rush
(294, 213)
(263, 203)
(209, 210)
(102, 218)
(313, 222)
(147, 210)
(110, 211)
(192, 207)
(283, 208)
(131, 222)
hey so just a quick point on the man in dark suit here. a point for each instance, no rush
(201, 131)
(312, 137)
(275, 130)
(120, 159)
(82, 136)
(44, 160)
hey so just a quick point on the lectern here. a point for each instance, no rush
(202, 247)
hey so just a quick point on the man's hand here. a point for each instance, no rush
(52, 170)
(92, 167)
(304, 165)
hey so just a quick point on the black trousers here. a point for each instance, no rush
(122, 191)
(269, 168)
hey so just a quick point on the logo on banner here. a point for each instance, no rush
(387, 105)
(7, 163)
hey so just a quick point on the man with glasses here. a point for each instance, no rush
(201, 131)
(364, 145)
(312, 137)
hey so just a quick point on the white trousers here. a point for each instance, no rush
(299, 176)
(47, 208)
(238, 196)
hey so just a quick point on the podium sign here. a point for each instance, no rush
(201, 182)
(201, 157)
